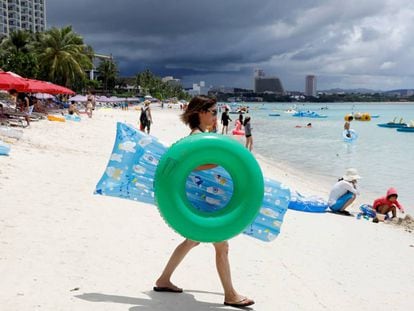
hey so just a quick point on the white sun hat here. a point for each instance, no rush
(351, 174)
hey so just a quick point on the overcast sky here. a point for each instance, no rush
(345, 43)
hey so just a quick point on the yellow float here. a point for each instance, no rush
(365, 117)
(348, 117)
(56, 118)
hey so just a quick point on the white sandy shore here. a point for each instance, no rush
(62, 248)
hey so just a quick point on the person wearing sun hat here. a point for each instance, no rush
(344, 192)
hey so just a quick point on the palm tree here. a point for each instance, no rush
(63, 56)
(16, 54)
(107, 73)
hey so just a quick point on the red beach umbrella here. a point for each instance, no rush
(38, 86)
(10, 81)
(63, 90)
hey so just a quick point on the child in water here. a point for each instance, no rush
(347, 126)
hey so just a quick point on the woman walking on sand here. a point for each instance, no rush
(200, 114)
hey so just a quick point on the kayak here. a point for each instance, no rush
(392, 125)
(406, 129)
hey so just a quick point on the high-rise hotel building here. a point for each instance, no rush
(310, 85)
(263, 84)
(22, 14)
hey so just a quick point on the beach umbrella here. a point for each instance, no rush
(9, 80)
(78, 98)
(43, 96)
(63, 90)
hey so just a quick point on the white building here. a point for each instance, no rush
(171, 80)
(22, 15)
(199, 89)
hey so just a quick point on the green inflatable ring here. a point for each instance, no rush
(170, 195)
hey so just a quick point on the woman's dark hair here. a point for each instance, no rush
(247, 119)
(241, 118)
(197, 104)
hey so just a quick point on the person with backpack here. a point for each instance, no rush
(145, 118)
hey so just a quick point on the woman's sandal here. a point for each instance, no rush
(245, 302)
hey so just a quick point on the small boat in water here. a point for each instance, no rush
(392, 125)
(308, 114)
(407, 129)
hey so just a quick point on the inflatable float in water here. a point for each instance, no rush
(131, 172)
(349, 135)
(4, 148)
(308, 114)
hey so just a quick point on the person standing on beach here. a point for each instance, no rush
(248, 133)
(89, 104)
(145, 118)
(225, 118)
(200, 114)
(347, 126)
(344, 192)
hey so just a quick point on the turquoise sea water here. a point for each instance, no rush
(383, 156)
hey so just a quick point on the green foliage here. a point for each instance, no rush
(107, 74)
(63, 57)
(152, 85)
(16, 54)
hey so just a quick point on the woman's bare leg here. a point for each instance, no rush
(177, 256)
(223, 269)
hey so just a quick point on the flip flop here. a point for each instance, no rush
(240, 304)
(167, 289)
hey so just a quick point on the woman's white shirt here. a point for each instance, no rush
(339, 189)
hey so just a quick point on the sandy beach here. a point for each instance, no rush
(63, 248)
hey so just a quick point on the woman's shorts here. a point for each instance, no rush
(339, 204)
(248, 135)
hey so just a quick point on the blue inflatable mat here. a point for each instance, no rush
(311, 204)
(4, 148)
(72, 117)
(131, 170)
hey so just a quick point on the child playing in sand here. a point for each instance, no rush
(389, 203)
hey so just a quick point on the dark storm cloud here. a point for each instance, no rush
(222, 41)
